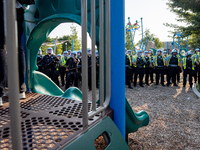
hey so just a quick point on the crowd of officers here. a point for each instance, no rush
(162, 64)
(67, 66)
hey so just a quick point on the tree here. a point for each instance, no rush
(74, 36)
(150, 36)
(188, 12)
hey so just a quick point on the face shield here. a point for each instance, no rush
(72, 55)
(65, 55)
(159, 53)
(59, 57)
(89, 52)
(139, 53)
(146, 54)
(78, 54)
(49, 51)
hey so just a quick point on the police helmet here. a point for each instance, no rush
(40, 52)
(58, 55)
(188, 53)
(174, 51)
(89, 51)
(79, 52)
(128, 51)
(150, 51)
(164, 52)
(65, 52)
(146, 52)
(139, 51)
(75, 53)
(72, 54)
(159, 50)
(50, 50)
(197, 49)
(69, 50)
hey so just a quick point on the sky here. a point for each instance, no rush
(153, 12)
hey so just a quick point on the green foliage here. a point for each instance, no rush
(188, 12)
(66, 45)
(74, 36)
(150, 36)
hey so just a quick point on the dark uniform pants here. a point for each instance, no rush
(53, 75)
(172, 71)
(90, 79)
(195, 74)
(147, 73)
(71, 75)
(159, 72)
(62, 75)
(21, 59)
(139, 71)
(186, 72)
(128, 75)
(199, 74)
(151, 75)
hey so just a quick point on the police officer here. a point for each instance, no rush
(179, 68)
(49, 61)
(165, 68)
(79, 56)
(69, 54)
(159, 62)
(39, 61)
(128, 65)
(139, 63)
(58, 69)
(152, 64)
(173, 63)
(97, 69)
(89, 53)
(147, 67)
(187, 68)
(197, 62)
(197, 50)
(71, 66)
(132, 68)
(63, 67)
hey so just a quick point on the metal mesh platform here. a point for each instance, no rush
(47, 122)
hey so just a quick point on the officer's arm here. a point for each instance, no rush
(75, 60)
(197, 62)
(67, 65)
(166, 63)
(182, 67)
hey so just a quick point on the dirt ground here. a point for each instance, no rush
(174, 118)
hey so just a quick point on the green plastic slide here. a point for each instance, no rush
(135, 120)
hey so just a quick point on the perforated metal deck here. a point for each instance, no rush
(47, 122)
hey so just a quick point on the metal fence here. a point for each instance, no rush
(103, 102)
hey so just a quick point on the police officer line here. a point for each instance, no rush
(69, 64)
(145, 64)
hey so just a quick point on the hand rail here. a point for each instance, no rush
(13, 72)
(103, 102)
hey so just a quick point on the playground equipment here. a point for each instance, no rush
(133, 28)
(182, 51)
(70, 120)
